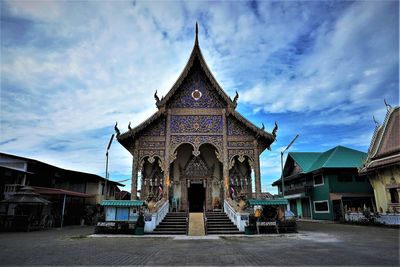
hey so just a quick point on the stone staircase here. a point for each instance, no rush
(219, 223)
(174, 223)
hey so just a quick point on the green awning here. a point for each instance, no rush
(267, 202)
(122, 203)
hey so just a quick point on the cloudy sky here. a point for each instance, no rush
(69, 70)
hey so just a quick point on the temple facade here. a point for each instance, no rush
(196, 150)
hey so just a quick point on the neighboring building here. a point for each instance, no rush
(123, 195)
(382, 166)
(78, 188)
(196, 150)
(321, 185)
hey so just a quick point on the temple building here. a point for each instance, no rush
(196, 151)
(382, 166)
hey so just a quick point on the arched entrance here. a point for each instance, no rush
(196, 179)
(152, 178)
(240, 178)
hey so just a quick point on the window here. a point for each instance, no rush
(318, 180)
(394, 195)
(345, 178)
(321, 206)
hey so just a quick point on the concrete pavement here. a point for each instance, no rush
(316, 244)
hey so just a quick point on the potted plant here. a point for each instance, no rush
(139, 228)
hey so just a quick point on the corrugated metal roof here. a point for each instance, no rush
(122, 203)
(305, 159)
(268, 202)
(339, 157)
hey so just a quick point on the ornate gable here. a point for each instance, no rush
(196, 91)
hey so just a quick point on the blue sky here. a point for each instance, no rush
(69, 70)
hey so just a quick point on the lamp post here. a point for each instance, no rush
(108, 148)
(283, 185)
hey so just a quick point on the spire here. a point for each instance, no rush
(197, 33)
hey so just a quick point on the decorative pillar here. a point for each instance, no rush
(225, 168)
(208, 200)
(184, 200)
(257, 170)
(167, 182)
(135, 167)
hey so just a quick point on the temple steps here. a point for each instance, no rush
(174, 223)
(219, 223)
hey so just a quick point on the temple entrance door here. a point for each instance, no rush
(196, 197)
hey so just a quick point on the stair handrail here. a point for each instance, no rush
(240, 219)
(187, 222)
(162, 212)
(205, 221)
(156, 217)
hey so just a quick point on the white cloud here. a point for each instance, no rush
(84, 66)
(348, 62)
(41, 10)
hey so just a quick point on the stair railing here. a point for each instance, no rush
(205, 221)
(154, 219)
(187, 222)
(240, 219)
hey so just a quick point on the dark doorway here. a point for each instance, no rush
(305, 207)
(337, 210)
(196, 197)
(293, 206)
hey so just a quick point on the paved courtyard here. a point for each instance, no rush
(316, 244)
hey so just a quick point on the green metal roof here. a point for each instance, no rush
(122, 203)
(304, 159)
(339, 157)
(268, 202)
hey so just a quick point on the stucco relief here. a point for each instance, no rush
(196, 124)
(196, 92)
(155, 129)
(237, 128)
(196, 141)
(150, 144)
(150, 156)
(241, 154)
(245, 144)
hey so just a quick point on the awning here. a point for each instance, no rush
(122, 203)
(56, 191)
(268, 202)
